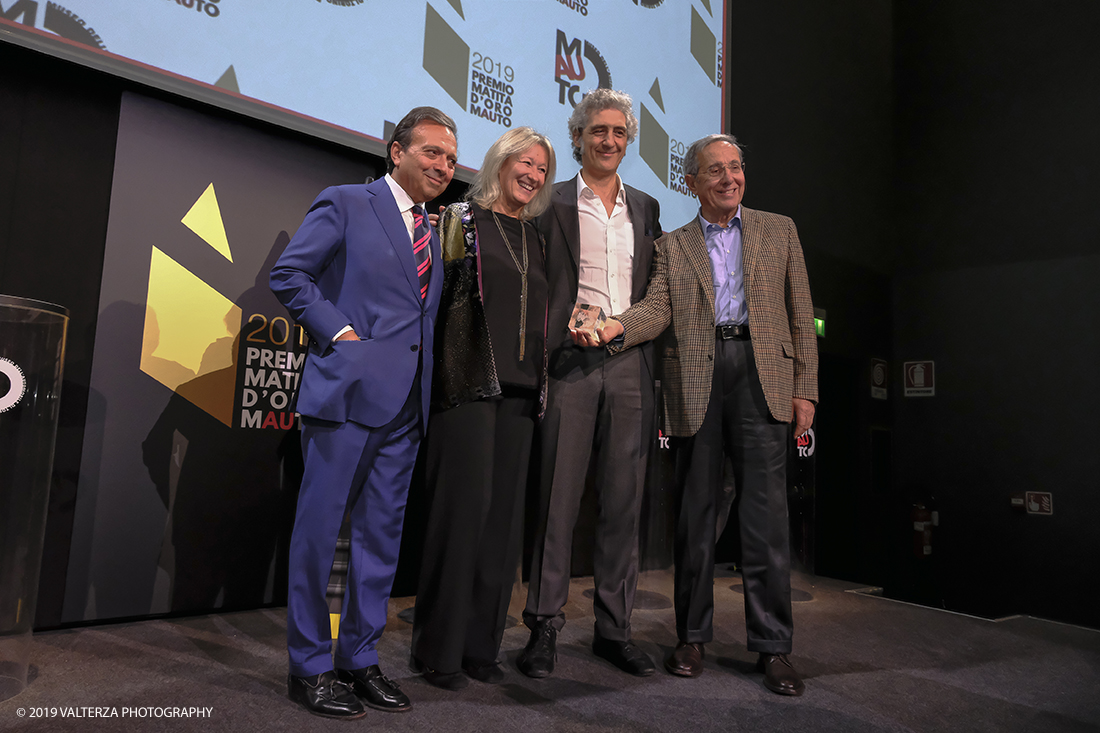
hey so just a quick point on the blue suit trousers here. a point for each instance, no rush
(366, 472)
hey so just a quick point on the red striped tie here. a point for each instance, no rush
(422, 237)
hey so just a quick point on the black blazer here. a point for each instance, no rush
(560, 227)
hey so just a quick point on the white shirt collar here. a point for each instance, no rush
(404, 201)
(582, 187)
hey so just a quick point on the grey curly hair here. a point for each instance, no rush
(595, 101)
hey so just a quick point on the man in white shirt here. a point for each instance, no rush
(599, 237)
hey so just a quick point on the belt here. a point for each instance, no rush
(732, 331)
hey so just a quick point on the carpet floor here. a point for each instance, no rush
(870, 664)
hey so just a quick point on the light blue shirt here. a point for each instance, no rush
(724, 248)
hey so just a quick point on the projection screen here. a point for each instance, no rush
(347, 70)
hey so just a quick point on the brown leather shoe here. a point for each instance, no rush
(686, 660)
(779, 674)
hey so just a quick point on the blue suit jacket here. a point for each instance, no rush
(351, 262)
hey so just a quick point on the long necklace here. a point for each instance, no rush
(522, 277)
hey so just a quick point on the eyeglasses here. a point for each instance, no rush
(734, 167)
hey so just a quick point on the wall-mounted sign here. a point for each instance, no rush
(819, 322)
(1039, 502)
(920, 378)
(879, 373)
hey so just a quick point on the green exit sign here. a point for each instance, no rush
(819, 321)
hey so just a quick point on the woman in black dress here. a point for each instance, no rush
(489, 391)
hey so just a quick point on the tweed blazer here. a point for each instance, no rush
(681, 294)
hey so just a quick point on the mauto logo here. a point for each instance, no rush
(569, 67)
(55, 19)
(806, 444)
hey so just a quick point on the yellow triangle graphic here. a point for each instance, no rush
(205, 220)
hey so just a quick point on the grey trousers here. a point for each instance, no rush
(604, 405)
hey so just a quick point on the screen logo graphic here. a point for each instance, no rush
(569, 67)
(661, 152)
(449, 60)
(228, 81)
(210, 7)
(446, 55)
(704, 46)
(16, 387)
(581, 6)
(54, 19)
(652, 138)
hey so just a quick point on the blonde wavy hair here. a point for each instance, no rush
(485, 190)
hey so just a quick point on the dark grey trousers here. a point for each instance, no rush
(739, 423)
(598, 407)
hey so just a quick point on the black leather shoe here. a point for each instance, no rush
(537, 658)
(490, 674)
(624, 655)
(375, 689)
(452, 681)
(323, 694)
(779, 674)
(686, 660)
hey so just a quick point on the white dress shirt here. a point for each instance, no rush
(404, 204)
(606, 250)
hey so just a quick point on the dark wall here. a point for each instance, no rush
(57, 146)
(812, 101)
(998, 270)
(939, 161)
(811, 89)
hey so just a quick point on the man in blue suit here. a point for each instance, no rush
(363, 276)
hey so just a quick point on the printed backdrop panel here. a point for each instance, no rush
(183, 499)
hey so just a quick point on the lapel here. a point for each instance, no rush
(385, 208)
(695, 247)
(564, 204)
(642, 259)
(752, 244)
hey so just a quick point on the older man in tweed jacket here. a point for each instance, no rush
(740, 363)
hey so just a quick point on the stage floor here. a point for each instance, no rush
(870, 664)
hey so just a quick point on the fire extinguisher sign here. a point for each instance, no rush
(920, 378)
